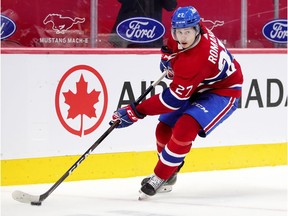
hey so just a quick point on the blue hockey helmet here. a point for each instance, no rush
(185, 17)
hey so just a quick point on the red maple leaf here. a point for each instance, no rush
(81, 103)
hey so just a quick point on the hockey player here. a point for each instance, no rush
(205, 89)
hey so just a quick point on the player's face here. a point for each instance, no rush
(186, 36)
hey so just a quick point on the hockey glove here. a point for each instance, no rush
(127, 116)
(165, 64)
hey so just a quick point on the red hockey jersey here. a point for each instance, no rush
(208, 66)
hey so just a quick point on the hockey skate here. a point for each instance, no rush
(150, 187)
(167, 185)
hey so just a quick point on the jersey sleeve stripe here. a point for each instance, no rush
(170, 100)
(176, 96)
(165, 104)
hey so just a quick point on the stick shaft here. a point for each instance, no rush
(96, 143)
(149, 89)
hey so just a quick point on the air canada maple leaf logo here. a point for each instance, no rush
(81, 103)
(76, 100)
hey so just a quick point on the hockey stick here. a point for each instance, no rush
(38, 199)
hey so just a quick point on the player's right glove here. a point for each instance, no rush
(126, 115)
(165, 64)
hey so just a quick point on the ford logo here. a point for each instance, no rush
(276, 31)
(8, 27)
(140, 29)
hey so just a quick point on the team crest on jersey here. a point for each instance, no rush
(140, 29)
(276, 30)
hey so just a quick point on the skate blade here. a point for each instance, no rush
(142, 196)
(165, 189)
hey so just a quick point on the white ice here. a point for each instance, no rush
(258, 191)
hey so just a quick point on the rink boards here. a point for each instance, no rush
(45, 125)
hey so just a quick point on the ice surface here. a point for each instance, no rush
(243, 192)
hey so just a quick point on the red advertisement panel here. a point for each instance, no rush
(62, 23)
(71, 23)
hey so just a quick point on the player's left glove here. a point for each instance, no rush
(165, 64)
(126, 115)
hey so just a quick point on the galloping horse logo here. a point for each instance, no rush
(61, 24)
